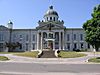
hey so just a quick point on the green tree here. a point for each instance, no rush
(13, 46)
(92, 28)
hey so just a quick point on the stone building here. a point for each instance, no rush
(50, 32)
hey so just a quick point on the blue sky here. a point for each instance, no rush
(26, 13)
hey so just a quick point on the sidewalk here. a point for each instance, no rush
(81, 60)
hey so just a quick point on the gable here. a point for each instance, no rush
(45, 27)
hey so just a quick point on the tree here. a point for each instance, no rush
(13, 46)
(92, 29)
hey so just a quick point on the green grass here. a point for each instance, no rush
(27, 54)
(64, 54)
(9, 52)
(3, 58)
(96, 60)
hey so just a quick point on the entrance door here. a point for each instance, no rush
(50, 46)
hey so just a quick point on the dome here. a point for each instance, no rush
(50, 11)
(10, 22)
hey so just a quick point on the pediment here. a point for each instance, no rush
(45, 27)
(3, 27)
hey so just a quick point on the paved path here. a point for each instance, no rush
(49, 66)
(51, 60)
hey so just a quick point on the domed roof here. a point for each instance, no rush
(50, 11)
(10, 22)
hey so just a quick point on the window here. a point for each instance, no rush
(74, 36)
(75, 45)
(68, 37)
(20, 36)
(1, 37)
(33, 46)
(81, 45)
(68, 46)
(1, 46)
(47, 18)
(50, 18)
(50, 35)
(54, 19)
(26, 46)
(20, 47)
(26, 37)
(33, 37)
(81, 37)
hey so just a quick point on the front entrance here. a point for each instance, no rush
(50, 45)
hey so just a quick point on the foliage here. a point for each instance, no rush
(97, 60)
(3, 58)
(13, 46)
(65, 54)
(92, 28)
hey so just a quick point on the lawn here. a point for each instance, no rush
(3, 58)
(65, 54)
(9, 52)
(28, 54)
(96, 60)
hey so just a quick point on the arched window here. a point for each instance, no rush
(50, 18)
(47, 18)
(54, 19)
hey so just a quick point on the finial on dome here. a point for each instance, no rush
(51, 7)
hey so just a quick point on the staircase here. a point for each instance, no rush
(48, 54)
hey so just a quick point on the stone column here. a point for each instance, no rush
(54, 41)
(59, 40)
(38, 41)
(63, 41)
(41, 40)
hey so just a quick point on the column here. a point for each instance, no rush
(63, 41)
(59, 40)
(37, 41)
(54, 41)
(41, 40)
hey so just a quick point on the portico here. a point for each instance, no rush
(56, 39)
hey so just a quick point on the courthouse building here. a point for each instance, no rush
(50, 29)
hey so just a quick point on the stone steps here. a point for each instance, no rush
(48, 54)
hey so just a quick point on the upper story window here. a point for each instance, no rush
(27, 37)
(47, 18)
(50, 18)
(68, 37)
(1, 37)
(81, 37)
(50, 35)
(74, 37)
(21, 37)
(54, 19)
(33, 37)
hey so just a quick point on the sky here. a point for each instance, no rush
(26, 13)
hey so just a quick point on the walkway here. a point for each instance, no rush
(78, 60)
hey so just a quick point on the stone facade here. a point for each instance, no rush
(50, 28)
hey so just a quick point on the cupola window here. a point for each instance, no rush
(54, 18)
(50, 18)
(47, 18)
